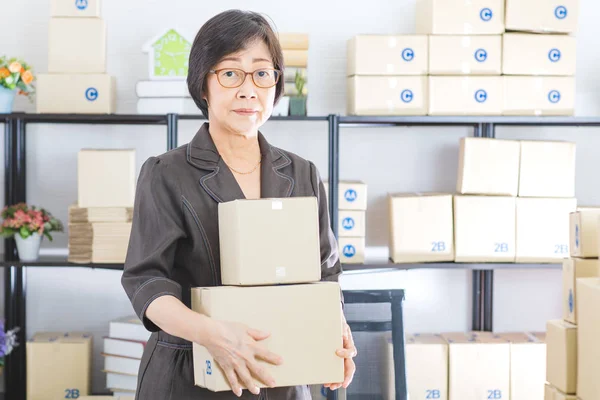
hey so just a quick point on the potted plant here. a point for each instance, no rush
(28, 225)
(8, 341)
(298, 100)
(15, 77)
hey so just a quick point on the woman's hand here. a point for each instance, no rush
(235, 348)
(348, 353)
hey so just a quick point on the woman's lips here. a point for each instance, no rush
(245, 111)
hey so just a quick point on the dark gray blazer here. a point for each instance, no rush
(174, 246)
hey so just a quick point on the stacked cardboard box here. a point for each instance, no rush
(295, 58)
(100, 222)
(469, 366)
(465, 55)
(271, 268)
(122, 352)
(76, 61)
(514, 200)
(539, 57)
(573, 350)
(386, 75)
(59, 365)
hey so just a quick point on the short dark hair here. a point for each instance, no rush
(227, 33)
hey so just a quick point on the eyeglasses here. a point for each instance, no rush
(232, 77)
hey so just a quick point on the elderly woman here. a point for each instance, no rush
(235, 78)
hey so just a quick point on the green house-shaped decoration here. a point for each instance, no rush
(168, 55)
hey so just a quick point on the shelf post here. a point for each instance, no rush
(172, 139)
(334, 169)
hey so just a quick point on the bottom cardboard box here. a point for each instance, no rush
(537, 95)
(352, 250)
(304, 322)
(561, 357)
(387, 95)
(588, 338)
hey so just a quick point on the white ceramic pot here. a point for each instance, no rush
(29, 249)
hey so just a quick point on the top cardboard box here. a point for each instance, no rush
(460, 17)
(75, 8)
(551, 16)
(269, 241)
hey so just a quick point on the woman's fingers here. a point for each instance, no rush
(261, 374)
(233, 381)
(346, 353)
(266, 355)
(244, 374)
(258, 335)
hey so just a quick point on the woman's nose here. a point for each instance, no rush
(248, 89)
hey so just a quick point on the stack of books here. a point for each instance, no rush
(122, 352)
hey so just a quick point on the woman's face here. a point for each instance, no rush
(245, 108)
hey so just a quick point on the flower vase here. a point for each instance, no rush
(7, 97)
(29, 248)
(298, 105)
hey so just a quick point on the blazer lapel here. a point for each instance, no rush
(220, 184)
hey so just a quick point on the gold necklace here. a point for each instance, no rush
(243, 173)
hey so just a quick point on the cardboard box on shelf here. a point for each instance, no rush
(387, 95)
(488, 166)
(293, 40)
(426, 367)
(77, 8)
(558, 395)
(460, 17)
(257, 238)
(387, 55)
(535, 54)
(561, 357)
(588, 338)
(59, 365)
(479, 367)
(295, 58)
(352, 195)
(527, 366)
(352, 250)
(421, 227)
(551, 16)
(77, 46)
(549, 392)
(538, 95)
(465, 55)
(352, 223)
(484, 228)
(547, 169)
(290, 314)
(78, 94)
(584, 232)
(543, 229)
(573, 269)
(465, 95)
(106, 177)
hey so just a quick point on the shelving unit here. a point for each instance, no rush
(15, 191)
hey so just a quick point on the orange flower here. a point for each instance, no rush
(4, 73)
(14, 67)
(27, 77)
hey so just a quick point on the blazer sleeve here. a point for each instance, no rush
(157, 226)
(331, 268)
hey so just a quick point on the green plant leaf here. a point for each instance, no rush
(24, 232)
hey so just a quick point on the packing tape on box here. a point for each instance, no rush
(392, 42)
(277, 205)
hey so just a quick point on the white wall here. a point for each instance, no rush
(388, 159)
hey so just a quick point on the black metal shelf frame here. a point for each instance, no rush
(15, 191)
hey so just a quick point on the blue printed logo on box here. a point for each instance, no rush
(554, 96)
(480, 55)
(554, 55)
(349, 251)
(560, 12)
(81, 4)
(486, 14)
(91, 94)
(348, 223)
(350, 195)
(577, 235)
(408, 54)
(407, 96)
(481, 96)
(571, 301)
(208, 367)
